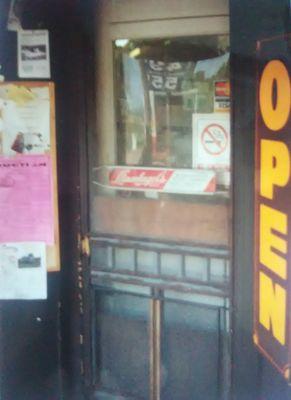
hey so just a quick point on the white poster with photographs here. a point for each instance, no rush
(24, 119)
(23, 273)
(33, 54)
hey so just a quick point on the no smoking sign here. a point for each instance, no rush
(214, 139)
(211, 141)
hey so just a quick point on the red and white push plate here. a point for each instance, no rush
(183, 181)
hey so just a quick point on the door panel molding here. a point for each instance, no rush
(138, 10)
(171, 27)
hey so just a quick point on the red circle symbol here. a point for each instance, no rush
(214, 139)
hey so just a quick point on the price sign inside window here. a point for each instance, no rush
(162, 76)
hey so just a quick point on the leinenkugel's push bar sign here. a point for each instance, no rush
(167, 180)
(272, 288)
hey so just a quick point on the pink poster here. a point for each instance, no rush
(26, 199)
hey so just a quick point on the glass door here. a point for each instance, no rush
(160, 213)
(154, 347)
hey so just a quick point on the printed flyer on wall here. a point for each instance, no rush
(24, 119)
(33, 54)
(26, 199)
(23, 271)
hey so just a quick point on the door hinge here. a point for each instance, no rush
(85, 246)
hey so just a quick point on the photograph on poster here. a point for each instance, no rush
(33, 52)
(24, 119)
(23, 271)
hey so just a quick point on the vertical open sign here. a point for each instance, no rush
(272, 255)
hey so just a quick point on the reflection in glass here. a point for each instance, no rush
(191, 358)
(122, 352)
(160, 85)
(171, 176)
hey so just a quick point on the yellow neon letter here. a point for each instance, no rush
(271, 219)
(275, 115)
(275, 166)
(273, 307)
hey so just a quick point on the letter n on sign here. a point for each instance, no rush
(272, 253)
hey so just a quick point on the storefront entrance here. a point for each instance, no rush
(160, 206)
(155, 296)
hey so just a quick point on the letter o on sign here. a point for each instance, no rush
(275, 114)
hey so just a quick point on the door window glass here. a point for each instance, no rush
(122, 353)
(171, 175)
(164, 175)
(191, 360)
(159, 86)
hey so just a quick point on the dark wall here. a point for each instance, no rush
(40, 340)
(253, 377)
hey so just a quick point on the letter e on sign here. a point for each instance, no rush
(275, 166)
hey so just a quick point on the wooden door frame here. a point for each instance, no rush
(250, 371)
(193, 25)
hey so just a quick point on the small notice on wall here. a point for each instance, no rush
(23, 271)
(26, 199)
(33, 54)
